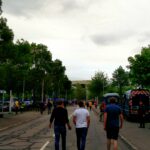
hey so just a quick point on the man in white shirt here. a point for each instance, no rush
(81, 119)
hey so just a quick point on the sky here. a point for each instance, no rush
(88, 36)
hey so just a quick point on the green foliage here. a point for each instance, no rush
(98, 85)
(0, 7)
(6, 41)
(139, 66)
(80, 92)
(120, 79)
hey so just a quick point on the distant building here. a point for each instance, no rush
(81, 82)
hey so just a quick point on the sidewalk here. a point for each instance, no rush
(136, 138)
(11, 120)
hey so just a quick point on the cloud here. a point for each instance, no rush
(111, 38)
(22, 8)
(29, 7)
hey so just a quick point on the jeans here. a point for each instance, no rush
(60, 131)
(81, 137)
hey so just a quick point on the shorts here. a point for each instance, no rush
(112, 133)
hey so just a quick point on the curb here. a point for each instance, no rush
(132, 147)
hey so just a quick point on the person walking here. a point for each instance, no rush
(81, 120)
(102, 108)
(49, 106)
(41, 105)
(90, 105)
(17, 106)
(60, 117)
(141, 113)
(113, 121)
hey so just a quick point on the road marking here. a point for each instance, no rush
(128, 143)
(44, 146)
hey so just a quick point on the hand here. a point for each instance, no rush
(49, 125)
(69, 127)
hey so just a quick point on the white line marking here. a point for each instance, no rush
(43, 147)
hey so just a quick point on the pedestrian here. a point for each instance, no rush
(95, 104)
(87, 105)
(141, 113)
(102, 108)
(113, 121)
(90, 105)
(49, 106)
(60, 117)
(81, 120)
(17, 106)
(41, 105)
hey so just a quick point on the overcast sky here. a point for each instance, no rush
(86, 35)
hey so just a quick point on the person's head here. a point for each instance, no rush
(60, 103)
(81, 104)
(113, 100)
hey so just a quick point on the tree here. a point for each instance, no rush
(66, 86)
(139, 66)
(120, 79)
(41, 68)
(6, 41)
(7, 51)
(98, 85)
(80, 92)
(0, 7)
(58, 72)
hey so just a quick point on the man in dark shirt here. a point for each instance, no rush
(60, 117)
(141, 113)
(112, 116)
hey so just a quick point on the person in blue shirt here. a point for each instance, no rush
(113, 121)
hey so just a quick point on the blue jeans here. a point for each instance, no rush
(60, 131)
(81, 137)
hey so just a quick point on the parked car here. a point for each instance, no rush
(4, 106)
(107, 96)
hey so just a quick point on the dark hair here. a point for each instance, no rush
(60, 102)
(112, 100)
(81, 104)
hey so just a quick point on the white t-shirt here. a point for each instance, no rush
(81, 115)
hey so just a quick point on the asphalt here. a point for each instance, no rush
(135, 137)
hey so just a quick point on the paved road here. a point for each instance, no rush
(35, 135)
(96, 139)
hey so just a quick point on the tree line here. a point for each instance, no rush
(28, 70)
(137, 76)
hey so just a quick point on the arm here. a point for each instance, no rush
(121, 120)
(105, 120)
(74, 120)
(69, 126)
(68, 123)
(88, 121)
(51, 119)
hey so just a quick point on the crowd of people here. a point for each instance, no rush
(112, 120)
(111, 115)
